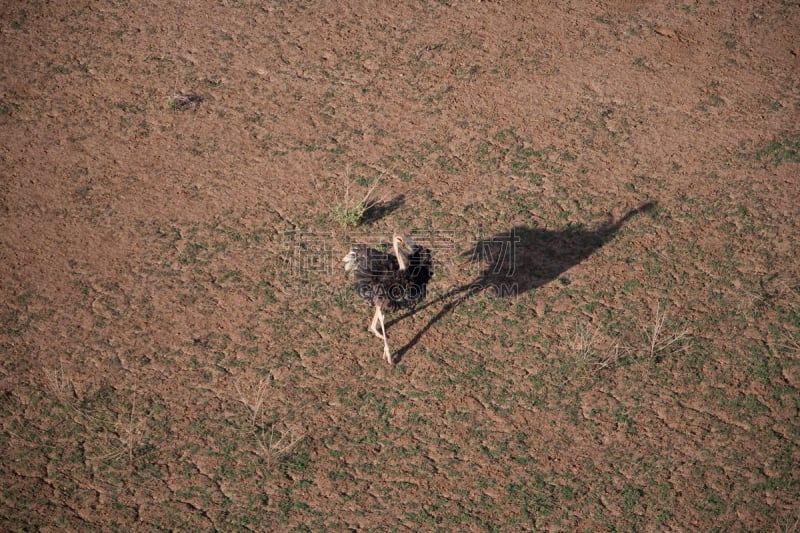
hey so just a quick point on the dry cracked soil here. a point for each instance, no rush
(611, 340)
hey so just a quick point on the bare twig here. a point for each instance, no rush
(592, 352)
(655, 336)
(349, 213)
(274, 448)
(256, 405)
(59, 385)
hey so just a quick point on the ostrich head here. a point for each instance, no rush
(404, 247)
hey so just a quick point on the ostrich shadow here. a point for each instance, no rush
(521, 260)
(382, 208)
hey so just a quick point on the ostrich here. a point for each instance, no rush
(389, 282)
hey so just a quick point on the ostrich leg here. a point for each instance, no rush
(382, 333)
(375, 322)
(386, 353)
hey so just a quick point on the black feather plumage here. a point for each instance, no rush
(380, 281)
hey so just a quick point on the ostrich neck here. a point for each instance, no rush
(402, 258)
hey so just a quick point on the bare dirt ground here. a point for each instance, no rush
(181, 352)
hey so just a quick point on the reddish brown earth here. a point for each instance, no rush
(180, 350)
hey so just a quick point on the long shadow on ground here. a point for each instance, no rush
(382, 208)
(520, 260)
